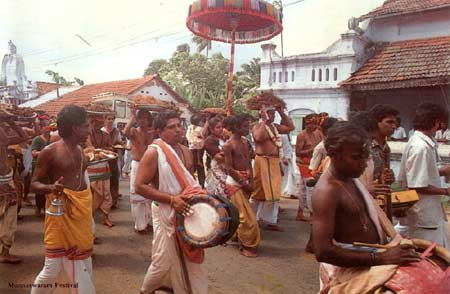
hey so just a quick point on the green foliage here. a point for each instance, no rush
(154, 67)
(203, 80)
(79, 81)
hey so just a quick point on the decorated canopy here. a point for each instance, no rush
(252, 20)
(235, 22)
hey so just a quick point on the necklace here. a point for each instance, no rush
(78, 174)
(362, 211)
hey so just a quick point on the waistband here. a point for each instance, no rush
(71, 254)
(267, 156)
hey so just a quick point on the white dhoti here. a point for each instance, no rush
(140, 207)
(166, 267)
(78, 273)
(290, 179)
(437, 235)
(266, 211)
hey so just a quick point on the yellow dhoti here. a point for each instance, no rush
(248, 230)
(266, 179)
(70, 234)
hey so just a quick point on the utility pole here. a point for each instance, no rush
(281, 19)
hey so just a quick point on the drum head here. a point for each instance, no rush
(207, 226)
(203, 222)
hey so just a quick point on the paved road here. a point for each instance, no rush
(121, 261)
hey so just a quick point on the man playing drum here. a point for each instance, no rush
(158, 179)
(344, 213)
(140, 138)
(267, 172)
(239, 183)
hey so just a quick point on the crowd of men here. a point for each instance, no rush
(336, 171)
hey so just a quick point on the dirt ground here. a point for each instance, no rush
(121, 261)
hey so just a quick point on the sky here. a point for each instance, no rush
(104, 40)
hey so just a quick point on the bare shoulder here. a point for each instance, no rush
(327, 191)
(228, 145)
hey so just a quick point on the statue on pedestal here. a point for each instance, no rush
(13, 69)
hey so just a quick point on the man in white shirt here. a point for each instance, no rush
(419, 171)
(399, 133)
(443, 134)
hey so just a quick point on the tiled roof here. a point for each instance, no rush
(84, 95)
(44, 87)
(413, 63)
(394, 7)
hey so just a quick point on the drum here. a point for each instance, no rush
(213, 222)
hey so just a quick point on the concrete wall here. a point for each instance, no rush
(429, 24)
(406, 100)
(160, 93)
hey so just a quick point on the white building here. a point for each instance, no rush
(399, 56)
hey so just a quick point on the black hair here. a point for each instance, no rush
(310, 116)
(427, 114)
(162, 118)
(399, 119)
(364, 120)
(196, 118)
(342, 133)
(327, 124)
(213, 122)
(236, 121)
(226, 122)
(381, 111)
(68, 117)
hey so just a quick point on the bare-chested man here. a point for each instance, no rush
(8, 195)
(100, 174)
(162, 176)
(239, 183)
(68, 238)
(307, 139)
(266, 171)
(140, 138)
(344, 213)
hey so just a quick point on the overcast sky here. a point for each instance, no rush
(124, 38)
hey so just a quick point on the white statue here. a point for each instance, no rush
(13, 68)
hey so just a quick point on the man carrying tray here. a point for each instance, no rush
(162, 177)
(100, 174)
(140, 138)
(266, 171)
(68, 238)
(239, 184)
(8, 195)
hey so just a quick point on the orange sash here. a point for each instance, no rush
(195, 255)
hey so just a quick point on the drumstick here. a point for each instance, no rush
(371, 245)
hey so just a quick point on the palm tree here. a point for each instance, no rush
(202, 44)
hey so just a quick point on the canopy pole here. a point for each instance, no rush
(230, 75)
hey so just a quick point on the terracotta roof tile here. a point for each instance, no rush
(413, 63)
(393, 7)
(84, 95)
(45, 87)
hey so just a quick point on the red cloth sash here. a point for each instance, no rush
(195, 255)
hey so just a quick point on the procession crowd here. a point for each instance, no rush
(337, 169)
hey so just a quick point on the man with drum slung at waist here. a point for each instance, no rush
(239, 184)
(172, 265)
